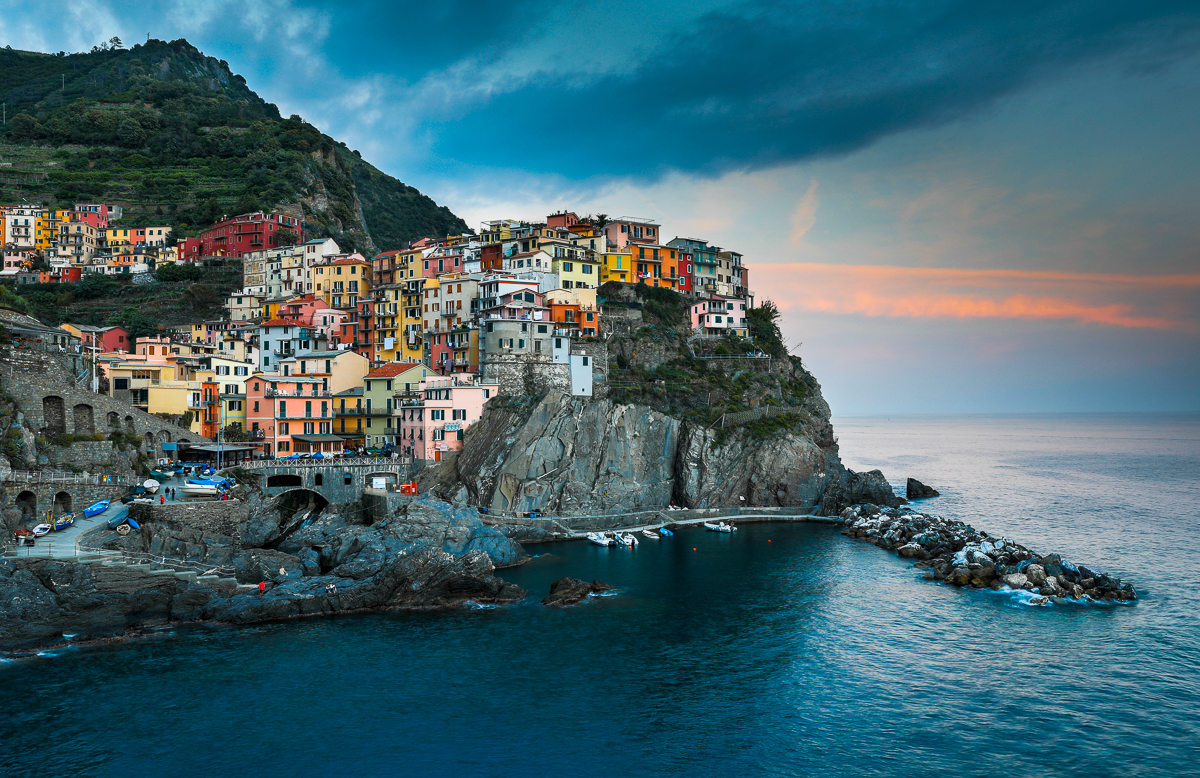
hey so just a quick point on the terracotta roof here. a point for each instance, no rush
(277, 323)
(392, 369)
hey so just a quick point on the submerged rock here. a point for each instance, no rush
(570, 591)
(915, 490)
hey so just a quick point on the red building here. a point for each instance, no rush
(248, 232)
(189, 249)
(685, 273)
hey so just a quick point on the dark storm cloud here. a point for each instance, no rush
(770, 83)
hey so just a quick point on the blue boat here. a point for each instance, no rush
(118, 519)
(63, 522)
(666, 533)
(134, 524)
(96, 507)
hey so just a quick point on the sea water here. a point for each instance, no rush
(779, 650)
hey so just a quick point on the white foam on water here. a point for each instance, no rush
(479, 606)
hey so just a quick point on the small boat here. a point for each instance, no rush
(97, 507)
(598, 539)
(24, 533)
(666, 533)
(120, 518)
(628, 540)
(720, 527)
(64, 521)
(198, 490)
(41, 530)
(161, 475)
(134, 524)
(151, 486)
(650, 534)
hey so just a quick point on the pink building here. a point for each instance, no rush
(107, 339)
(718, 315)
(434, 425)
(628, 229)
(289, 414)
(311, 311)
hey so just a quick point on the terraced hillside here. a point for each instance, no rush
(174, 135)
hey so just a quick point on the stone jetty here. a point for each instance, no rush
(961, 555)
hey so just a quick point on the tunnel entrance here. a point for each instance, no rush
(27, 504)
(284, 479)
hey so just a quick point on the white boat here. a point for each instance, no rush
(198, 490)
(151, 486)
(720, 527)
(650, 534)
(42, 529)
(628, 540)
(598, 539)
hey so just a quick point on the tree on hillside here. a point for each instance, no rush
(287, 237)
(247, 203)
(131, 133)
(25, 126)
(763, 323)
(114, 43)
(95, 286)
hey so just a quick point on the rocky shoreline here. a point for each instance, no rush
(963, 556)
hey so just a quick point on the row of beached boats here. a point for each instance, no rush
(630, 539)
(627, 539)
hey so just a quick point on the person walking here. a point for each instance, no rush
(262, 587)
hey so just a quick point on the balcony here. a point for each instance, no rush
(256, 434)
(280, 393)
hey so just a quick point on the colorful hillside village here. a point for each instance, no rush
(395, 354)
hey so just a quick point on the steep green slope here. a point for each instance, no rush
(174, 135)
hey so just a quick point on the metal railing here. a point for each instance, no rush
(326, 461)
(59, 477)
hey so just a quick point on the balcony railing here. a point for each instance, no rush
(281, 393)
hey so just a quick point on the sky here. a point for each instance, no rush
(959, 207)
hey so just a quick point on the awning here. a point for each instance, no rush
(218, 447)
(318, 438)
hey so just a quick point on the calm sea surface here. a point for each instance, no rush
(783, 650)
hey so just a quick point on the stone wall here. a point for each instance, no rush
(14, 497)
(220, 517)
(50, 404)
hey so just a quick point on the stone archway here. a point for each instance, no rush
(62, 503)
(85, 423)
(392, 479)
(164, 436)
(132, 430)
(26, 503)
(284, 479)
(114, 420)
(54, 415)
(149, 440)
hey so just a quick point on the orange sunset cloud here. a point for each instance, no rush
(1153, 302)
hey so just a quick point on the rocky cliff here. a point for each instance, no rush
(428, 555)
(570, 455)
(694, 421)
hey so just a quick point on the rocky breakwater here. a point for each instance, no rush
(427, 555)
(963, 556)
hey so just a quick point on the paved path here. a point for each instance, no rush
(63, 544)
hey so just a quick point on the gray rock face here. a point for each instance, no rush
(574, 455)
(430, 554)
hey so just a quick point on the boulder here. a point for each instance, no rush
(911, 550)
(1035, 573)
(915, 490)
(570, 591)
(1015, 580)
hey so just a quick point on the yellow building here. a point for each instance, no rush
(616, 266)
(349, 416)
(341, 280)
(388, 302)
(577, 273)
(46, 228)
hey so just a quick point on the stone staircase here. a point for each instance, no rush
(115, 562)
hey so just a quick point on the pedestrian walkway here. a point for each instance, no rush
(65, 544)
